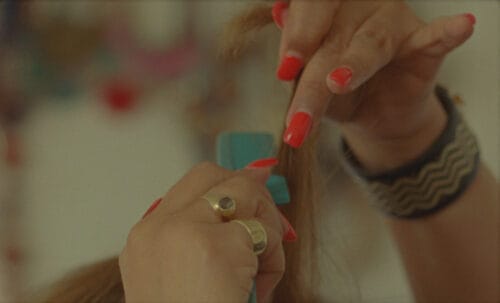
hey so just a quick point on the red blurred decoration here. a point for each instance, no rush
(13, 255)
(121, 96)
(13, 153)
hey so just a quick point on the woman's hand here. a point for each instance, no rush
(184, 252)
(370, 65)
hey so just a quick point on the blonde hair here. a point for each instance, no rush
(101, 282)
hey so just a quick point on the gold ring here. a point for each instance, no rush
(221, 204)
(257, 233)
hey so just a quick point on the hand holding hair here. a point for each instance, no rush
(188, 249)
(370, 65)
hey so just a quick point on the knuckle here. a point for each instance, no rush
(400, 7)
(205, 166)
(261, 207)
(252, 192)
(335, 44)
(378, 38)
(302, 40)
(296, 35)
(244, 182)
(211, 169)
(276, 245)
(333, 49)
(280, 267)
(248, 186)
(135, 237)
(303, 44)
(313, 86)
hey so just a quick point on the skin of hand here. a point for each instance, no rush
(184, 252)
(380, 63)
(371, 66)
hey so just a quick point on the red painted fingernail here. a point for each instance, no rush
(298, 129)
(278, 8)
(290, 235)
(341, 76)
(471, 17)
(290, 67)
(268, 162)
(152, 207)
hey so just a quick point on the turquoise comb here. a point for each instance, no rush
(235, 150)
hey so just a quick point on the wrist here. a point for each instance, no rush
(378, 154)
(432, 180)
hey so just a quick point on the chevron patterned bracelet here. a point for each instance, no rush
(431, 182)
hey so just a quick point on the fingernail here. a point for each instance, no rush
(290, 67)
(341, 76)
(268, 162)
(298, 129)
(471, 17)
(152, 207)
(260, 174)
(290, 235)
(278, 9)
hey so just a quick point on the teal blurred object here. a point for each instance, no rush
(278, 188)
(253, 295)
(42, 79)
(235, 150)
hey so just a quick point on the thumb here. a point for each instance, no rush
(441, 36)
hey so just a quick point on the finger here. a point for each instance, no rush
(266, 269)
(310, 100)
(250, 196)
(197, 182)
(440, 36)
(312, 94)
(371, 48)
(307, 23)
(271, 267)
(194, 184)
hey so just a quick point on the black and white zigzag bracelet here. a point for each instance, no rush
(431, 182)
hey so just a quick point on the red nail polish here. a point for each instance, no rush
(298, 129)
(289, 68)
(262, 163)
(278, 8)
(290, 234)
(471, 17)
(152, 207)
(342, 76)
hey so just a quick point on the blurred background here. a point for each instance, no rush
(104, 105)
